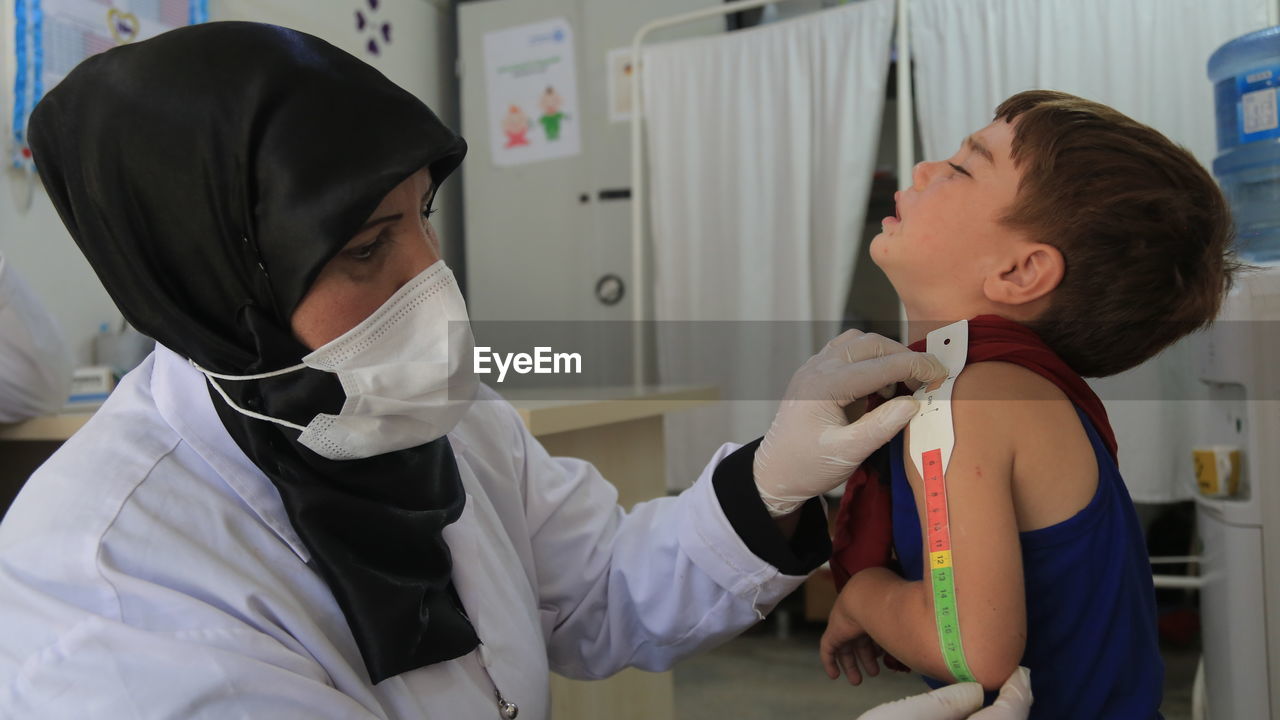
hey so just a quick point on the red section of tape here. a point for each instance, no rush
(938, 526)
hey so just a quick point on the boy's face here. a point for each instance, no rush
(947, 239)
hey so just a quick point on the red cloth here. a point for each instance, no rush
(863, 532)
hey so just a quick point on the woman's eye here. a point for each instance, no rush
(368, 250)
(959, 169)
(427, 212)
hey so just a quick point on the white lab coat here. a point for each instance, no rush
(149, 570)
(35, 365)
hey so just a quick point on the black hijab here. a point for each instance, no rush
(208, 174)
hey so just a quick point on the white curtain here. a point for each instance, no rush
(761, 145)
(1145, 58)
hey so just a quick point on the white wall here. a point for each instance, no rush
(32, 237)
(420, 58)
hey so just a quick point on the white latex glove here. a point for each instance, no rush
(812, 447)
(960, 701)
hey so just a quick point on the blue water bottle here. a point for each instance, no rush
(1246, 76)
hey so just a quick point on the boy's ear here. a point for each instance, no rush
(1031, 274)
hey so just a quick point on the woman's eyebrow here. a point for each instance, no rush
(379, 221)
(430, 193)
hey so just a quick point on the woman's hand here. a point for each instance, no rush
(961, 701)
(812, 446)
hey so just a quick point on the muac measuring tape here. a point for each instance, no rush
(932, 437)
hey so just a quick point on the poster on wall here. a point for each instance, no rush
(533, 93)
(52, 37)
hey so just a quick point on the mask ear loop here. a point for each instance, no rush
(210, 375)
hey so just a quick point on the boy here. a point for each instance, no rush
(1078, 242)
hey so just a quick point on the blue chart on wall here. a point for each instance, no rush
(53, 36)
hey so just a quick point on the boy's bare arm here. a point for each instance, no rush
(986, 553)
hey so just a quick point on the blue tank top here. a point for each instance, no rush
(1091, 618)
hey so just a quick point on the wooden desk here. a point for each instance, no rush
(24, 446)
(54, 428)
(618, 431)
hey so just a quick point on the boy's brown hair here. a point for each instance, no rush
(1145, 232)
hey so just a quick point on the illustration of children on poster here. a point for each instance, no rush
(550, 103)
(530, 70)
(516, 126)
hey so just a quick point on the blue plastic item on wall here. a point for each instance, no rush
(1246, 76)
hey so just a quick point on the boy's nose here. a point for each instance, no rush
(922, 173)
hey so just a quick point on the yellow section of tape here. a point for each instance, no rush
(940, 559)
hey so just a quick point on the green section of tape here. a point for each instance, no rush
(948, 617)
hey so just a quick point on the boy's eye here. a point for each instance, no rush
(959, 169)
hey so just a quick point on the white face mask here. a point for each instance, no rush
(405, 369)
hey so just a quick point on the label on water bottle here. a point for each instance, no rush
(1256, 110)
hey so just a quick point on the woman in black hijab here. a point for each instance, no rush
(208, 176)
(293, 507)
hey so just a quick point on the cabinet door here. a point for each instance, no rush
(525, 224)
(531, 236)
(608, 26)
(541, 237)
(611, 25)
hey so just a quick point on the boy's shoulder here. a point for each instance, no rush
(1002, 381)
(1010, 410)
(995, 405)
(1005, 413)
